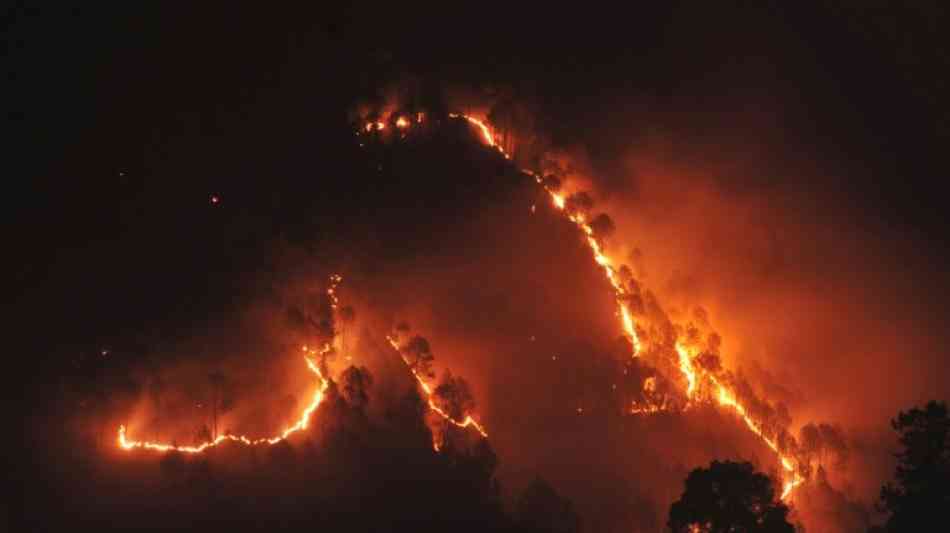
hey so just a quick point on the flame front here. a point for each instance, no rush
(620, 292)
(302, 423)
(692, 375)
(467, 422)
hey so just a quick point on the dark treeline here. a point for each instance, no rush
(346, 472)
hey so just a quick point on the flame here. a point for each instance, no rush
(302, 423)
(686, 367)
(620, 292)
(402, 123)
(728, 399)
(467, 422)
(649, 384)
(725, 397)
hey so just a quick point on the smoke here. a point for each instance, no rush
(799, 290)
(774, 301)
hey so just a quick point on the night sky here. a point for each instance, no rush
(783, 167)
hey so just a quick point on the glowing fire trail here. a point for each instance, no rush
(620, 292)
(302, 423)
(468, 422)
(725, 397)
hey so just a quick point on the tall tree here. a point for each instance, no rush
(920, 496)
(726, 497)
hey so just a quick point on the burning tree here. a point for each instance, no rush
(454, 398)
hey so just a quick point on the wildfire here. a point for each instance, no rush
(302, 423)
(728, 399)
(686, 367)
(486, 132)
(467, 422)
(725, 397)
(620, 292)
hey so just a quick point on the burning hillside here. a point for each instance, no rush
(384, 268)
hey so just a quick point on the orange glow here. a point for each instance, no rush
(686, 367)
(402, 123)
(485, 130)
(620, 292)
(725, 398)
(302, 423)
(467, 422)
(728, 399)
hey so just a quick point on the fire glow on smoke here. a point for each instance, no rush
(701, 385)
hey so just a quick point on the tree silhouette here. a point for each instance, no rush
(419, 355)
(602, 226)
(579, 203)
(919, 499)
(455, 398)
(729, 496)
(541, 509)
(355, 383)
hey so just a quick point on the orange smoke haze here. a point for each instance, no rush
(525, 298)
(795, 289)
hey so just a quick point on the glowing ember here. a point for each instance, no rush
(402, 123)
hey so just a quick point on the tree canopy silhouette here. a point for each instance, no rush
(541, 509)
(729, 496)
(918, 499)
(418, 353)
(356, 382)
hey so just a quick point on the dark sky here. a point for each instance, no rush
(127, 120)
